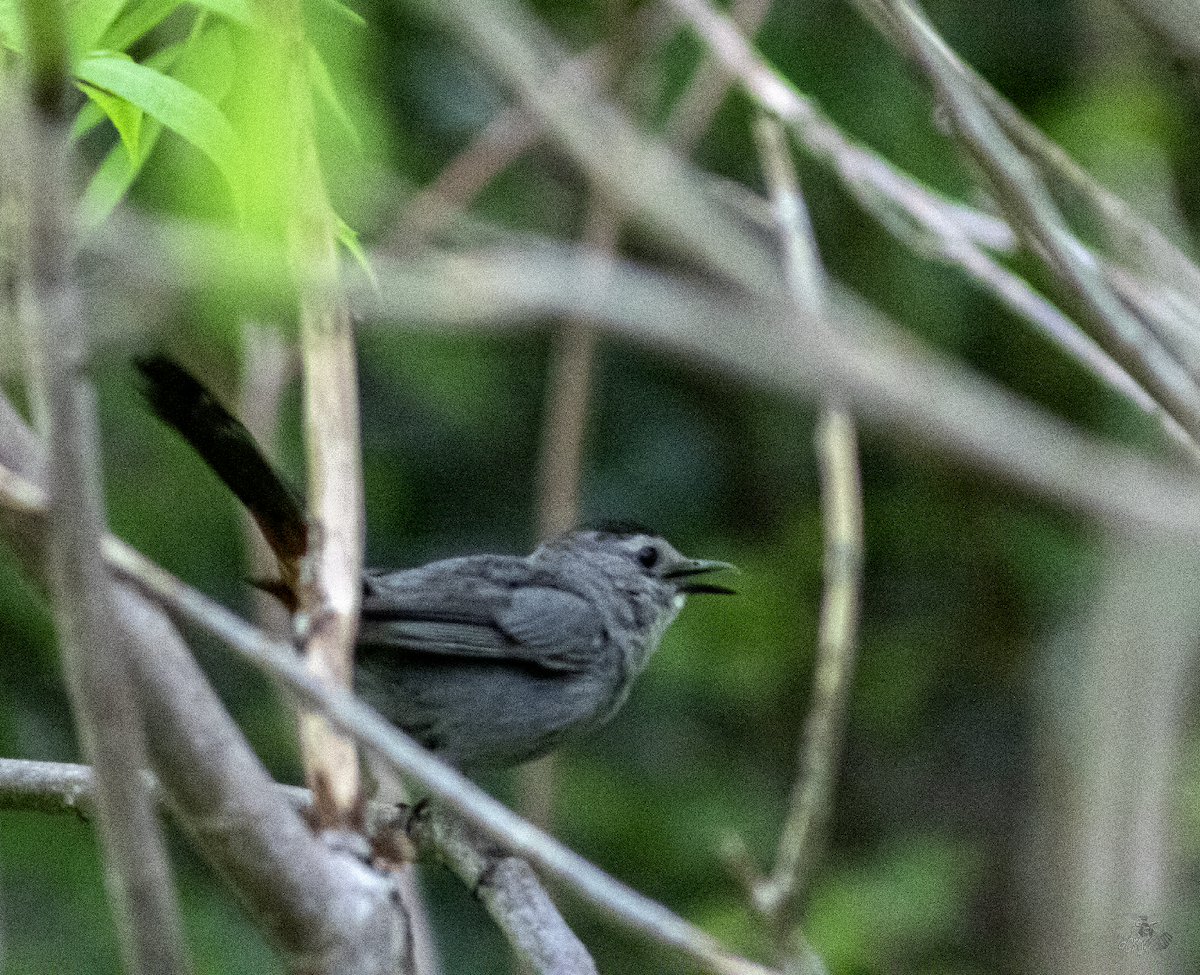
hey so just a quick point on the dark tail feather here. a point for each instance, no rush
(182, 402)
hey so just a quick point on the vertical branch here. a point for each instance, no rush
(812, 796)
(561, 463)
(268, 364)
(1113, 722)
(802, 262)
(95, 662)
(335, 505)
(330, 588)
(570, 391)
(779, 897)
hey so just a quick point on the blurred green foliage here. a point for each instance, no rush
(965, 580)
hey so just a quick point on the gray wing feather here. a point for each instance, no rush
(480, 609)
(560, 627)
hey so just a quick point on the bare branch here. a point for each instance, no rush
(508, 889)
(506, 886)
(95, 664)
(779, 898)
(812, 797)
(55, 787)
(315, 905)
(1020, 192)
(635, 176)
(891, 380)
(932, 224)
(351, 716)
(888, 379)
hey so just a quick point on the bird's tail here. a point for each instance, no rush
(223, 442)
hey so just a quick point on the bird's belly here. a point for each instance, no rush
(478, 714)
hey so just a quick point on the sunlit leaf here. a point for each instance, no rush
(124, 115)
(90, 20)
(348, 237)
(322, 85)
(91, 114)
(178, 107)
(343, 12)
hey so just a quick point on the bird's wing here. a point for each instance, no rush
(484, 611)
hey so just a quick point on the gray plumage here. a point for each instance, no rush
(491, 660)
(487, 660)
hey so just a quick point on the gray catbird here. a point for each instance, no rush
(487, 660)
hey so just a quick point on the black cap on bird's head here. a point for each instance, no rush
(654, 556)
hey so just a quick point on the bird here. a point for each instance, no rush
(488, 660)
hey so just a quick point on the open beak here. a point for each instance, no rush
(695, 567)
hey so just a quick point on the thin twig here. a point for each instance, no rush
(802, 260)
(932, 224)
(694, 110)
(1131, 238)
(50, 787)
(636, 175)
(498, 145)
(560, 465)
(873, 180)
(779, 898)
(1020, 192)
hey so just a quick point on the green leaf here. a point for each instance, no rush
(90, 20)
(144, 16)
(343, 12)
(174, 104)
(124, 115)
(202, 63)
(91, 114)
(348, 237)
(114, 176)
(322, 84)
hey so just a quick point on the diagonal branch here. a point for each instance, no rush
(945, 230)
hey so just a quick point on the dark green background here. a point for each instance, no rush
(965, 580)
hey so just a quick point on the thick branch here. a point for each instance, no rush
(94, 658)
(316, 905)
(509, 891)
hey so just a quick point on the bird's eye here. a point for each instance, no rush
(648, 557)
